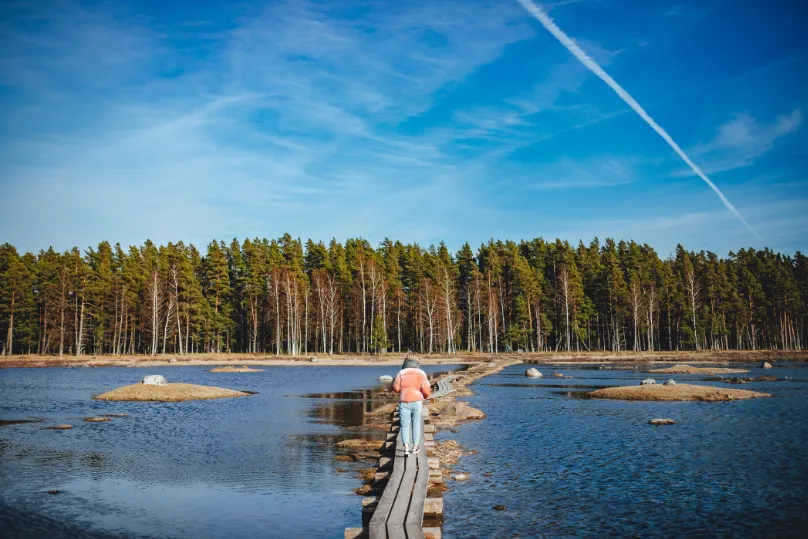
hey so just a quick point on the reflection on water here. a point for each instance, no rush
(565, 465)
(258, 466)
(353, 408)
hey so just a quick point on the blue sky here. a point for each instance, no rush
(415, 120)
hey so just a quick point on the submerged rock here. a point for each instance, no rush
(460, 477)
(232, 369)
(169, 393)
(648, 382)
(499, 508)
(670, 383)
(662, 422)
(58, 427)
(96, 419)
(155, 380)
(688, 369)
(766, 365)
(533, 373)
(558, 375)
(680, 392)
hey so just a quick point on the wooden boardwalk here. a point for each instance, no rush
(399, 512)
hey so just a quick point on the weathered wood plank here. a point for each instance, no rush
(377, 529)
(415, 512)
(398, 513)
(435, 476)
(433, 506)
(362, 533)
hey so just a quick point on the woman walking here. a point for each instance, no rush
(412, 386)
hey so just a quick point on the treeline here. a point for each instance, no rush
(284, 297)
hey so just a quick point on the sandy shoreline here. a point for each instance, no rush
(391, 359)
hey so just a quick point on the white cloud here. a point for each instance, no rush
(597, 171)
(742, 140)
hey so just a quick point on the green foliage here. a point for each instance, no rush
(287, 296)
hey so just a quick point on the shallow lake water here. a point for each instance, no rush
(258, 466)
(564, 465)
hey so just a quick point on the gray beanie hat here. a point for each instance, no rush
(411, 363)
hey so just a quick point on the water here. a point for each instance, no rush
(565, 466)
(258, 466)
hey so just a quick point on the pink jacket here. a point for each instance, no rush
(412, 385)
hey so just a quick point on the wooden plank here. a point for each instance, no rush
(415, 512)
(377, 529)
(435, 476)
(433, 506)
(381, 476)
(362, 533)
(398, 513)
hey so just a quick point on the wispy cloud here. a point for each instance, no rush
(742, 140)
(592, 172)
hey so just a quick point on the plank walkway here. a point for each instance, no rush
(399, 512)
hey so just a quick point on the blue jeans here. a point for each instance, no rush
(409, 414)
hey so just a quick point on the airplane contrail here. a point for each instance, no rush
(585, 59)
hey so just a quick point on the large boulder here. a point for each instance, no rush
(533, 373)
(670, 383)
(648, 382)
(155, 380)
(766, 365)
(385, 378)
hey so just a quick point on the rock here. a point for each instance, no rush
(670, 383)
(460, 477)
(96, 419)
(313, 360)
(648, 382)
(385, 378)
(765, 365)
(662, 422)
(58, 427)
(155, 380)
(172, 360)
(54, 492)
(533, 373)
(492, 363)
(499, 508)
(558, 375)
(85, 365)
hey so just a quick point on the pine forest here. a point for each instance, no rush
(288, 297)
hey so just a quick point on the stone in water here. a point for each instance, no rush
(533, 373)
(670, 383)
(648, 382)
(385, 378)
(155, 380)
